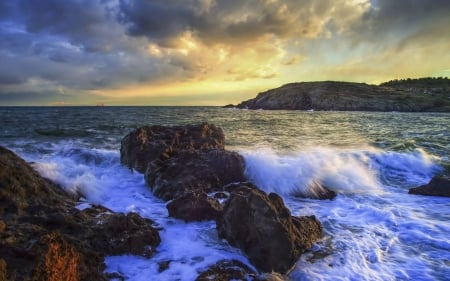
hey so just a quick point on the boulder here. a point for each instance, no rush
(438, 186)
(188, 171)
(195, 206)
(228, 270)
(148, 143)
(44, 237)
(263, 228)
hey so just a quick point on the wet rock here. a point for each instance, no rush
(228, 270)
(146, 144)
(185, 171)
(46, 238)
(117, 234)
(438, 186)
(263, 228)
(57, 259)
(319, 191)
(195, 206)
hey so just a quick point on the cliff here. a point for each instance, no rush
(428, 94)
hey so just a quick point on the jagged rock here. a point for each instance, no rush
(228, 270)
(44, 237)
(195, 206)
(438, 186)
(190, 171)
(263, 228)
(146, 144)
(346, 96)
(117, 234)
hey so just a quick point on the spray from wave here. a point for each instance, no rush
(343, 171)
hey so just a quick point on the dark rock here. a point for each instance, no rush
(229, 106)
(117, 234)
(319, 191)
(220, 195)
(188, 171)
(163, 266)
(438, 186)
(228, 270)
(46, 238)
(195, 206)
(263, 228)
(146, 144)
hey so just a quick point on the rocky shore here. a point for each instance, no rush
(45, 237)
(413, 95)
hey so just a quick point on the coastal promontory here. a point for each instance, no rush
(408, 95)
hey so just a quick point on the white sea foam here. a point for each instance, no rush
(342, 170)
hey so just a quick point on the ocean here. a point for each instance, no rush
(373, 229)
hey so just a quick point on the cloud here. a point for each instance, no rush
(81, 46)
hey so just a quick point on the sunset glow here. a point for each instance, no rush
(210, 52)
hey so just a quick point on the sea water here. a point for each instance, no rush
(373, 229)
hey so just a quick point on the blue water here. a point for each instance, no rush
(373, 230)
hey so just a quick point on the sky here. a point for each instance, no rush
(210, 52)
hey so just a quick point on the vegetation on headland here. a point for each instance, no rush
(409, 95)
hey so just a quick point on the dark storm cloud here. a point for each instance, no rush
(403, 20)
(68, 44)
(212, 22)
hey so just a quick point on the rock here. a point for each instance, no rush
(228, 270)
(229, 106)
(263, 228)
(438, 186)
(346, 96)
(46, 238)
(188, 171)
(117, 234)
(57, 259)
(195, 206)
(146, 144)
(319, 191)
(3, 270)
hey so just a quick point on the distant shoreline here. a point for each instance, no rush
(408, 95)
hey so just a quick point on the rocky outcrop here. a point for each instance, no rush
(188, 171)
(146, 144)
(44, 237)
(195, 206)
(228, 270)
(438, 186)
(263, 228)
(346, 96)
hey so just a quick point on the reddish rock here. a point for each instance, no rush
(57, 259)
(195, 206)
(146, 144)
(263, 228)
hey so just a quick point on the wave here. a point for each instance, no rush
(81, 171)
(342, 170)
